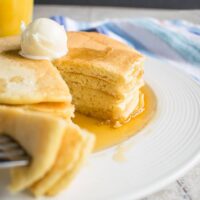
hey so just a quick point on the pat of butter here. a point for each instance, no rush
(43, 39)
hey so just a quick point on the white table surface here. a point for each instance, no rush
(188, 187)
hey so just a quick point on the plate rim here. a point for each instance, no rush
(177, 173)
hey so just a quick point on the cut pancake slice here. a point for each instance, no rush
(115, 115)
(76, 146)
(103, 75)
(39, 134)
(98, 98)
(103, 106)
(25, 81)
(64, 181)
(90, 55)
(117, 91)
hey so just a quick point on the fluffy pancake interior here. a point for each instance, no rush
(116, 115)
(117, 90)
(95, 98)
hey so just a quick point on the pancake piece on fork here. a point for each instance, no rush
(36, 111)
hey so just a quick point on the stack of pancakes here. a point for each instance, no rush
(104, 76)
(36, 110)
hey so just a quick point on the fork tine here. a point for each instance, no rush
(11, 153)
(4, 139)
(11, 164)
(8, 145)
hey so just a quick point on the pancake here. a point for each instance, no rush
(64, 181)
(39, 134)
(102, 75)
(90, 55)
(73, 146)
(65, 110)
(117, 90)
(95, 98)
(36, 111)
(116, 115)
(25, 81)
(56, 147)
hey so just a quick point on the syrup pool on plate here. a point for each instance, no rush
(107, 136)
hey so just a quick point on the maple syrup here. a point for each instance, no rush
(107, 136)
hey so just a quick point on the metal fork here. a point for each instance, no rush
(11, 153)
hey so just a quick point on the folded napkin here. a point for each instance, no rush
(173, 40)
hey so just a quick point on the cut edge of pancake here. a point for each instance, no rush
(46, 134)
(63, 167)
(64, 181)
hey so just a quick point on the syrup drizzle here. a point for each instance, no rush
(107, 136)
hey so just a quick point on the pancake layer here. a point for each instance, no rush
(104, 76)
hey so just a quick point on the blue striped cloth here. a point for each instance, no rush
(173, 40)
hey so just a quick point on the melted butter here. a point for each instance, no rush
(107, 136)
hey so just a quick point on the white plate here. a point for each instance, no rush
(163, 151)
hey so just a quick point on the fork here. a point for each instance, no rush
(11, 153)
